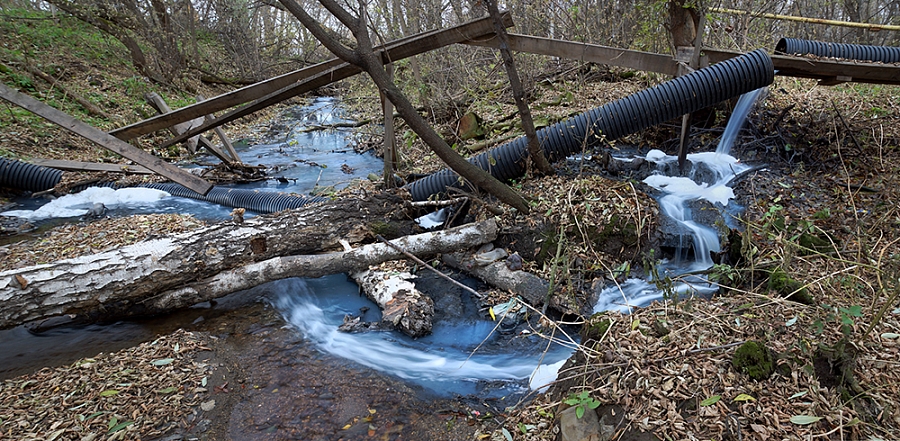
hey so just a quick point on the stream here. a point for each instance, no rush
(464, 356)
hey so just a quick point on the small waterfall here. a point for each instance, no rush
(738, 118)
(708, 180)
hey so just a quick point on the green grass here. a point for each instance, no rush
(31, 34)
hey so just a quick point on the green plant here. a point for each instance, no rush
(581, 401)
(842, 316)
(724, 274)
(664, 284)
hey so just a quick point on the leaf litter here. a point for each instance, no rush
(122, 395)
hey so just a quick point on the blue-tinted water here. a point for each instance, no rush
(303, 157)
(463, 355)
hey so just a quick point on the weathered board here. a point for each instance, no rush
(398, 49)
(828, 71)
(573, 50)
(410, 46)
(91, 166)
(105, 140)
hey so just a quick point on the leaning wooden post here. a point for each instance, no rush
(693, 63)
(390, 148)
(226, 143)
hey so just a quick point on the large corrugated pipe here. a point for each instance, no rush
(24, 176)
(255, 200)
(793, 46)
(689, 93)
(258, 201)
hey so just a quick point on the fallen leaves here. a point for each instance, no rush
(73, 240)
(123, 395)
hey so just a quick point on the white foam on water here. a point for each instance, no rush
(78, 204)
(544, 375)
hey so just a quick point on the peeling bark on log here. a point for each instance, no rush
(403, 306)
(532, 288)
(116, 282)
(318, 265)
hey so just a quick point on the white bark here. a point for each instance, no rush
(403, 306)
(184, 269)
(118, 281)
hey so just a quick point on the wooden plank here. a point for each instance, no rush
(412, 46)
(158, 103)
(226, 143)
(572, 50)
(823, 69)
(398, 49)
(91, 166)
(105, 140)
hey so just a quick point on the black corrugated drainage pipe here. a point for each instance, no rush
(689, 93)
(793, 46)
(256, 200)
(24, 176)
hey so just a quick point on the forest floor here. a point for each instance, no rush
(824, 210)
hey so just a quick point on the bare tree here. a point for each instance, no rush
(363, 56)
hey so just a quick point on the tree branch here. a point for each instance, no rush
(535, 155)
(368, 60)
(323, 34)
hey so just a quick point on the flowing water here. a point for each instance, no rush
(464, 355)
(302, 157)
(707, 181)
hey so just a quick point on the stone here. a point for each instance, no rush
(572, 428)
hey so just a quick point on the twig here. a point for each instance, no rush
(443, 203)
(492, 208)
(421, 262)
(850, 132)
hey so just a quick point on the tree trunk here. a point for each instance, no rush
(120, 281)
(364, 57)
(536, 157)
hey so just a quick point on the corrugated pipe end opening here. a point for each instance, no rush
(29, 177)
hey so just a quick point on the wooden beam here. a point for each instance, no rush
(398, 49)
(105, 140)
(226, 143)
(823, 69)
(411, 46)
(572, 50)
(158, 103)
(91, 166)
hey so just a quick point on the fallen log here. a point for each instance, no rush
(317, 265)
(402, 305)
(116, 281)
(497, 273)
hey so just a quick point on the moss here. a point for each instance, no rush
(385, 229)
(596, 327)
(813, 244)
(789, 288)
(754, 359)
